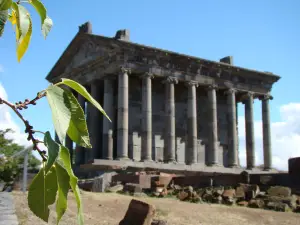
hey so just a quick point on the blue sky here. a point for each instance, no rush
(262, 35)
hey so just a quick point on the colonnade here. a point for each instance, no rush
(146, 135)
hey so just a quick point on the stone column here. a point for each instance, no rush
(266, 132)
(232, 129)
(249, 125)
(192, 123)
(79, 153)
(107, 125)
(212, 126)
(122, 139)
(169, 142)
(147, 117)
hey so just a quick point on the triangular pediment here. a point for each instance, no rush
(81, 50)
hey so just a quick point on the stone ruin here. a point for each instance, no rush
(174, 129)
(169, 111)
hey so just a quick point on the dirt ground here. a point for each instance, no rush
(109, 209)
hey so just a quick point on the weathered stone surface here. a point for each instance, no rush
(182, 195)
(230, 193)
(138, 213)
(229, 196)
(116, 188)
(256, 203)
(86, 185)
(217, 199)
(261, 195)
(240, 193)
(243, 203)
(297, 210)
(207, 197)
(278, 206)
(291, 201)
(279, 191)
(132, 188)
(247, 191)
(218, 191)
(208, 191)
(159, 222)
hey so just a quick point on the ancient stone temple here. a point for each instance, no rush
(168, 110)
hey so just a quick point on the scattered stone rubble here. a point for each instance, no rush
(276, 198)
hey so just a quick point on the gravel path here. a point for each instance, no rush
(7, 209)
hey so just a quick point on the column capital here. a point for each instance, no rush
(230, 91)
(191, 83)
(266, 97)
(170, 80)
(213, 87)
(147, 75)
(249, 94)
(124, 70)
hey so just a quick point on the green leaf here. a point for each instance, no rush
(23, 29)
(68, 116)
(61, 115)
(64, 161)
(42, 193)
(5, 5)
(78, 130)
(53, 150)
(24, 42)
(63, 180)
(81, 90)
(46, 22)
(3, 19)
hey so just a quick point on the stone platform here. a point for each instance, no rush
(129, 165)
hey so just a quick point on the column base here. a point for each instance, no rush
(214, 165)
(123, 159)
(170, 161)
(234, 166)
(146, 160)
(250, 168)
(191, 163)
(268, 169)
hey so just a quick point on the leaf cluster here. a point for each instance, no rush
(21, 21)
(55, 179)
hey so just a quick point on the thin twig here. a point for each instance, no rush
(29, 128)
(37, 131)
(24, 105)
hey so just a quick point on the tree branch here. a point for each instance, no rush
(24, 105)
(29, 128)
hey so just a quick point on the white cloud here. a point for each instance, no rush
(285, 137)
(7, 121)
